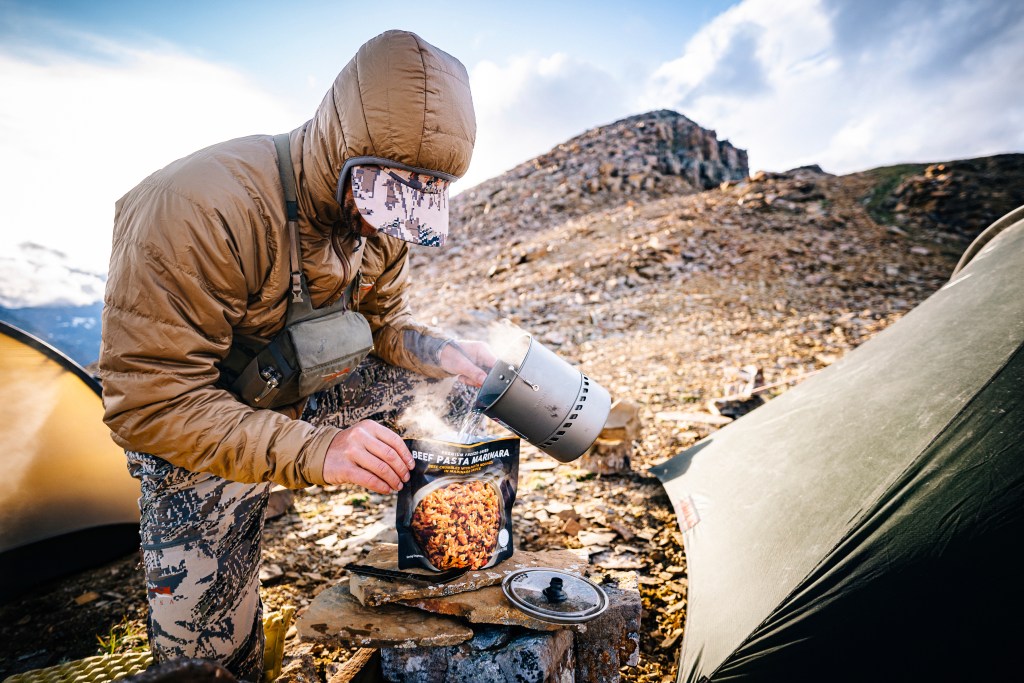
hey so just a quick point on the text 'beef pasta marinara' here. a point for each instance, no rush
(456, 510)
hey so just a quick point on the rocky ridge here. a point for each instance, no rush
(652, 155)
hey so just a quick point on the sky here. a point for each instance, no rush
(97, 95)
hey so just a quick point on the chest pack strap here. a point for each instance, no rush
(291, 204)
(300, 306)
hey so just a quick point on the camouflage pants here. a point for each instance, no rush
(201, 549)
(201, 534)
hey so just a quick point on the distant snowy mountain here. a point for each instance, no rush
(41, 293)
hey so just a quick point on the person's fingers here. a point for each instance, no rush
(387, 454)
(393, 440)
(482, 360)
(479, 353)
(452, 359)
(471, 375)
(378, 468)
(362, 477)
(482, 354)
(459, 363)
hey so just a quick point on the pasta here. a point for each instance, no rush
(457, 525)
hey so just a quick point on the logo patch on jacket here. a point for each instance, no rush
(336, 375)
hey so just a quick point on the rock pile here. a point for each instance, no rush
(412, 622)
(639, 158)
(961, 197)
(799, 190)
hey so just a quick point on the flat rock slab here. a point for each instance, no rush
(487, 605)
(372, 591)
(336, 617)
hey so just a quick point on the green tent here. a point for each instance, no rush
(866, 524)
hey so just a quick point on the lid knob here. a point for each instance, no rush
(554, 592)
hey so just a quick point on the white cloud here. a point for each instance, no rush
(853, 85)
(78, 132)
(532, 103)
(34, 275)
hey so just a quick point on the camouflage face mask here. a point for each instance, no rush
(405, 204)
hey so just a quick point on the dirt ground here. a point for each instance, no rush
(659, 301)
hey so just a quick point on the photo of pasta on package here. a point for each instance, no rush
(456, 510)
(457, 525)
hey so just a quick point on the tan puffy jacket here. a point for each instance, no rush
(199, 256)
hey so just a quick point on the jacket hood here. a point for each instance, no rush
(400, 98)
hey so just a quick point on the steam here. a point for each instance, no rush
(424, 418)
(508, 341)
(429, 415)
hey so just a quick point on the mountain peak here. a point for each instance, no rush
(646, 156)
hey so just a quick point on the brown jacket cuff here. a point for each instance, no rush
(313, 467)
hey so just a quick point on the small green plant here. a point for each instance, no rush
(887, 178)
(358, 499)
(126, 636)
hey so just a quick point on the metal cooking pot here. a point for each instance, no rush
(546, 401)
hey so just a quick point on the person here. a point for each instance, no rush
(200, 262)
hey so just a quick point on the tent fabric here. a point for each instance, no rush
(863, 525)
(63, 479)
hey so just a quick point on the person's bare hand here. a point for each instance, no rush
(471, 360)
(370, 455)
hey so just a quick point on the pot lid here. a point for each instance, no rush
(554, 595)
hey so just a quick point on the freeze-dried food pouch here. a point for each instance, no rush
(455, 512)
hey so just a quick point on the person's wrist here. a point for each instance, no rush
(440, 348)
(425, 348)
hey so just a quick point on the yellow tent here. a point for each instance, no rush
(66, 499)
